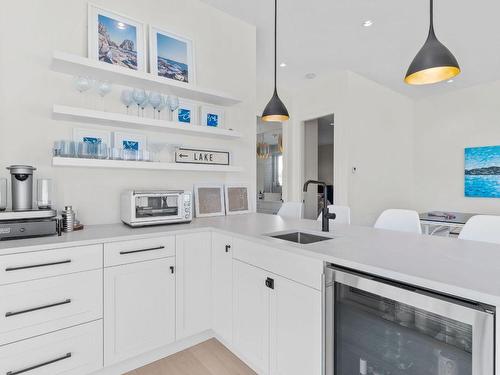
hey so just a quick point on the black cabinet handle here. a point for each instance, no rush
(270, 283)
(172, 269)
(227, 248)
(142, 250)
(8, 269)
(13, 313)
(66, 356)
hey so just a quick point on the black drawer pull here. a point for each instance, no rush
(270, 283)
(66, 356)
(142, 250)
(8, 269)
(227, 248)
(13, 313)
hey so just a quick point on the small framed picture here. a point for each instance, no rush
(212, 116)
(92, 136)
(237, 199)
(129, 141)
(116, 39)
(186, 113)
(209, 200)
(171, 56)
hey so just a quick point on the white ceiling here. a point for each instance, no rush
(324, 35)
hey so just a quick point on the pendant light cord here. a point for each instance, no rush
(276, 41)
(431, 28)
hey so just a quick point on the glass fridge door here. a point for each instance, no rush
(383, 329)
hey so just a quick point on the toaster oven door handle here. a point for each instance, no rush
(141, 250)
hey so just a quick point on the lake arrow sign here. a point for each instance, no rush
(195, 156)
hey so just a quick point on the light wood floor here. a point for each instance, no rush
(208, 358)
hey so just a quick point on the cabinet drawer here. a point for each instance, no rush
(36, 265)
(124, 252)
(73, 351)
(38, 307)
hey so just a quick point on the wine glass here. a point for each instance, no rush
(127, 98)
(82, 84)
(139, 96)
(103, 89)
(163, 104)
(155, 100)
(173, 104)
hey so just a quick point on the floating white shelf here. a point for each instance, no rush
(128, 121)
(81, 66)
(125, 164)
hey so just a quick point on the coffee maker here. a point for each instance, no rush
(24, 221)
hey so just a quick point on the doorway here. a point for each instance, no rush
(318, 163)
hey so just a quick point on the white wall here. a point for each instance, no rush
(225, 60)
(444, 126)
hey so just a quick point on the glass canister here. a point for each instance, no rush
(44, 193)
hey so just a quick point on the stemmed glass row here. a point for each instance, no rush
(142, 99)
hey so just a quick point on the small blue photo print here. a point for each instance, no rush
(131, 145)
(92, 140)
(184, 115)
(212, 120)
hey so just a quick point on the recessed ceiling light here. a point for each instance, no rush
(368, 23)
(311, 75)
(283, 64)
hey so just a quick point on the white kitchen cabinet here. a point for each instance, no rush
(295, 329)
(277, 322)
(222, 286)
(139, 308)
(193, 284)
(251, 316)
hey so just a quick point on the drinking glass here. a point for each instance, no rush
(127, 98)
(155, 101)
(64, 149)
(173, 104)
(155, 151)
(140, 98)
(82, 84)
(44, 193)
(3, 194)
(163, 104)
(103, 89)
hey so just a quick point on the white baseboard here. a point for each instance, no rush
(155, 355)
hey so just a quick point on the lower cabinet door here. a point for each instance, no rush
(193, 284)
(222, 286)
(251, 316)
(139, 308)
(72, 351)
(295, 329)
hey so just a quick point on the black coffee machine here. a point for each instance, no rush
(24, 221)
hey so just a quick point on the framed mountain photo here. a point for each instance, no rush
(171, 56)
(482, 172)
(116, 39)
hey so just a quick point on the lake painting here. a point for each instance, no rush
(482, 172)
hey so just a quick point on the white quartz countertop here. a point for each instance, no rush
(466, 269)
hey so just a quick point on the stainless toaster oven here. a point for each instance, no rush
(155, 207)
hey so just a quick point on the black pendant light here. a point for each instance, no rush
(275, 110)
(434, 62)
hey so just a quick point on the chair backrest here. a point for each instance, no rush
(343, 214)
(291, 210)
(399, 220)
(485, 228)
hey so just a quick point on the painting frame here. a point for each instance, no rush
(80, 135)
(200, 198)
(206, 110)
(237, 210)
(119, 137)
(482, 172)
(154, 31)
(94, 11)
(186, 105)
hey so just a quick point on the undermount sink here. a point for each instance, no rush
(301, 237)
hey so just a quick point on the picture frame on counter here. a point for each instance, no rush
(212, 116)
(209, 200)
(237, 199)
(116, 39)
(92, 136)
(185, 155)
(129, 141)
(186, 113)
(171, 56)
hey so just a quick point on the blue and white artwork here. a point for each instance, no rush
(212, 119)
(130, 145)
(92, 140)
(117, 42)
(184, 115)
(482, 172)
(172, 58)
